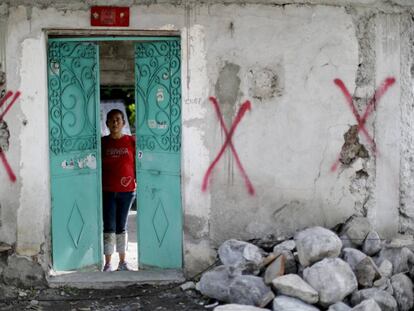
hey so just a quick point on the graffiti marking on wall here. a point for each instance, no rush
(228, 142)
(4, 102)
(193, 101)
(361, 120)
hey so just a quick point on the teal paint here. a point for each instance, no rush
(74, 137)
(73, 86)
(158, 120)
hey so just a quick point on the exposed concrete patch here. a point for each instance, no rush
(352, 148)
(4, 136)
(364, 30)
(362, 184)
(406, 210)
(266, 83)
(2, 82)
(21, 271)
(227, 89)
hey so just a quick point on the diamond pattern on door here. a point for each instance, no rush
(75, 224)
(158, 133)
(160, 222)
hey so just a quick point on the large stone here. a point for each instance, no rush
(292, 285)
(384, 284)
(339, 306)
(372, 243)
(237, 307)
(285, 303)
(332, 278)
(403, 241)
(357, 229)
(352, 256)
(386, 268)
(275, 269)
(316, 243)
(367, 305)
(385, 300)
(403, 291)
(367, 272)
(238, 253)
(399, 257)
(347, 242)
(250, 290)
(215, 283)
(289, 245)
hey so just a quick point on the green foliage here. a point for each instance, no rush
(131, 118)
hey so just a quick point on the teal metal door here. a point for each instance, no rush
(73, 85)
(158, 100)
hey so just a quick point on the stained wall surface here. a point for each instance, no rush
(297, 157)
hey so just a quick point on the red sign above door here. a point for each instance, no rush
(110, 16)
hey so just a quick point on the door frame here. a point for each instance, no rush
(101, 35)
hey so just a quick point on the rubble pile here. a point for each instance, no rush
(317, 269)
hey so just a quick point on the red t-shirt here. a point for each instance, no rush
(118, 164)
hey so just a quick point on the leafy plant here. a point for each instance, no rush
(131, 118)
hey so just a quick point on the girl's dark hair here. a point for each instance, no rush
(115, 111)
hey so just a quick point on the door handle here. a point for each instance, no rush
(154, 172)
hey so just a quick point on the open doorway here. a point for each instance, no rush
(141, 69)
(117, 91)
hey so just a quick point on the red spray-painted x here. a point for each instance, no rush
(228, 142)
(3, 158)
(369, 109)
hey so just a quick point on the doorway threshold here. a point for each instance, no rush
(106, 280)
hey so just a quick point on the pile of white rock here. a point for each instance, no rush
(315, 270)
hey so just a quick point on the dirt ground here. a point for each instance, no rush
(154, 298)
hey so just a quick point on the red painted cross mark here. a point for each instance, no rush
(370, 108)
(3, 158)
(228, 142)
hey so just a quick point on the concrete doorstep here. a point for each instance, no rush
(116, 279)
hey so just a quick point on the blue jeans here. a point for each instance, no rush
(116, 206)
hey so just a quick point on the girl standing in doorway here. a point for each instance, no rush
(118, 185)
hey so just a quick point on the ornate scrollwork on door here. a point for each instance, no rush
(72, 69)
(158, 88)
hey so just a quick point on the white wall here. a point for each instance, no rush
(284, 60)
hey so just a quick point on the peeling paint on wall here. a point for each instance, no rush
(4, 136)
(352, 148)
(352, 137)
(266, 83)
(227, 90)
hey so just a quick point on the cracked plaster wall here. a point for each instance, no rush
(281, 57)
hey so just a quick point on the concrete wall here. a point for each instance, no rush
(284, 59)
(117, 65)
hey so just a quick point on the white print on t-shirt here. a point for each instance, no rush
(125, 181)
(116, 152)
